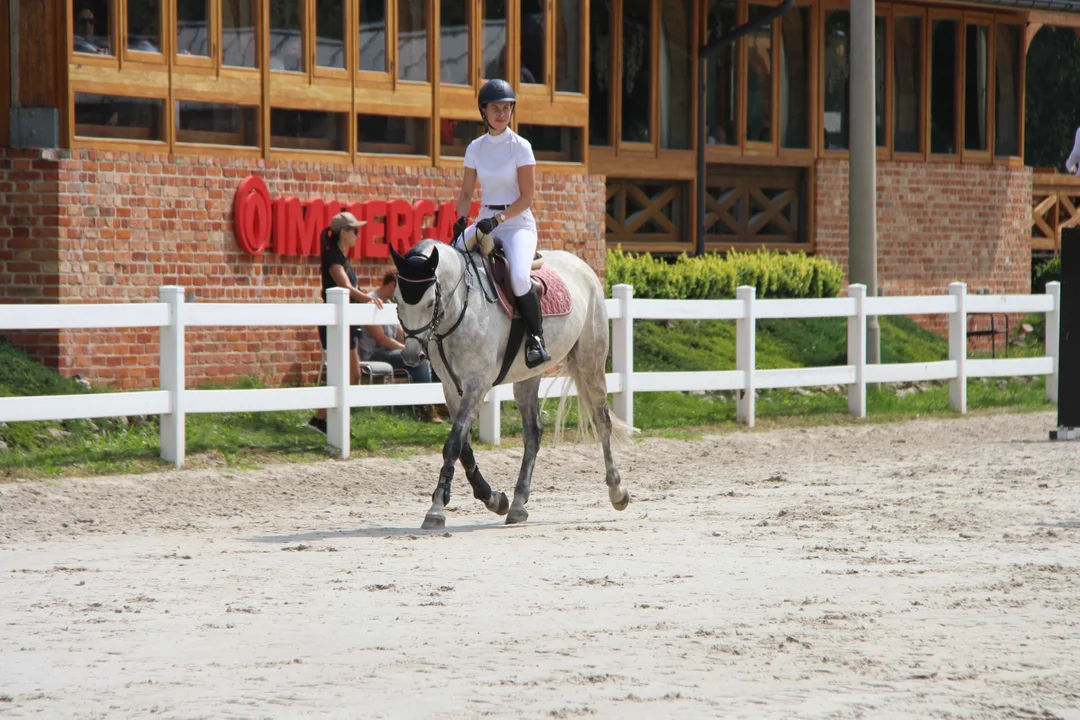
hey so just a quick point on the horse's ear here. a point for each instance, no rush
(432, 261)
(398, 260)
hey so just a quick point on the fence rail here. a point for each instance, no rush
(173, 401)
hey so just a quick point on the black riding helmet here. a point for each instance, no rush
(495, 90)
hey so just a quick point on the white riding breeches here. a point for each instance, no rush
(519, 245)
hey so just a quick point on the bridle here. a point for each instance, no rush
(437, 316)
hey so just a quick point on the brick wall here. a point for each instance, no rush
(126, 224)
(937, 223)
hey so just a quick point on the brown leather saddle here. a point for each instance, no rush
(498, 269)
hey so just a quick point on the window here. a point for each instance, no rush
(676, 74)
(193, 28)
(976, 86)
(213, 124)
(837, 111)
(110, 116)
(907, 84)
(1007, 89)
(637, 71)
(454, 27)
(330, 29)
(943, 71)
(93, 31)
(412, 40)
(722, 92)
(759, 73)
(144, 25)
(287, 35)
(493, 49)
(600, 72)
(568, 45)
(238, 46)
(393, 135)
(455, 135)
(795, 78)
(554, 144)
(533, 41)
(373, 51)
(307, 129)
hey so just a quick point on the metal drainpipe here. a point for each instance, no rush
(705, 53)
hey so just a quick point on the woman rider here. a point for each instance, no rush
(503, 162)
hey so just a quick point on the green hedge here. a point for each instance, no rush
(710, 277)
(1045, 272)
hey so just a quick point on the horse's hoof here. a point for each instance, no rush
(433, 522)
(622, 502)
(517, 516)
(503, 506)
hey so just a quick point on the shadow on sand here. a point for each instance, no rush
(414, 532)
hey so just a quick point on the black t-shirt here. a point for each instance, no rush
(332, 255)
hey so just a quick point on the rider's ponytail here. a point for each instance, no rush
(329, 238)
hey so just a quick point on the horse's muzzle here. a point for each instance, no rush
(413, 354)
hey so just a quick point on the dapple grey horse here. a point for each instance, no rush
(445, 314)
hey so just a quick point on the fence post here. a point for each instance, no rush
(1053, 339)
(172, 377)
(958, 348)
(337, 372)
(856, 351)
(745, 342)
(622, 352)
(490, 420)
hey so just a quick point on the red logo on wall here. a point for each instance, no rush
(287, 226)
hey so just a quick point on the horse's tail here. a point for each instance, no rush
(592, 398)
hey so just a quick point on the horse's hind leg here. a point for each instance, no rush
(493, 500)
(527, 397)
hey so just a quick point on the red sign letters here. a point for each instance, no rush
(287, 226)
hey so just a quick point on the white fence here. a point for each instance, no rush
(173, 401)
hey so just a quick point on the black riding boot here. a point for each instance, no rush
(529, 307)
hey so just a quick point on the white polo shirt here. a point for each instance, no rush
(496, 159)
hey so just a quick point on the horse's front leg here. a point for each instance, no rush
(494, 500)
(456, 442)
(527, 397)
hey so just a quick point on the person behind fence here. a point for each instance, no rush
(503, 161)
(384, 343)
(336, 239)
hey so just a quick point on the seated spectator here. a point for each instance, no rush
(384, 343)
(84, 33)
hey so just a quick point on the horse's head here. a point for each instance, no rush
(419, 304)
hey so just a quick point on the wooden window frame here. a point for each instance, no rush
(984, 157)
(1018, 159)
(208, 63)
(734, 152)
(87, 59)
(142, 57)
(923, 70)
(553, 45)
(933, 15)
(375, 78)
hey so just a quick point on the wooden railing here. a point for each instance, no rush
(1055, 199)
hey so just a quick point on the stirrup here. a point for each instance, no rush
(535, 352)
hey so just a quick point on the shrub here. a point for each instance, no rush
(712, 277)
(1045, 272)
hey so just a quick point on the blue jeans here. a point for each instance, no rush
(422, 373)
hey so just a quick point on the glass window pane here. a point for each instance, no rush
(454, 42)
(455, 135)
(92, 27)
(637, 71)
(533, 42)
(201, 122)
(600, 72)
(330, 33)
(1007, 90)
(287, 35)
(676, 74)
(943, 72)
(412, 40)
(308, 129)
(568, 45)
(907, 84)
(238, 46)
(554, 144)
(144, 25)
(391, 135)
(723, 80)
(373, 36)
(795, 78)
(881, 31)
(837, 115)
(110, 116)
(494, 38)
(759, 79)
(193, 27)
(976, 87)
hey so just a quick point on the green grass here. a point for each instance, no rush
(244, 440)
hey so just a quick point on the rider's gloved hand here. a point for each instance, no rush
(460, 225)
(485, 226)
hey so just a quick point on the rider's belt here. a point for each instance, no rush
(496, 207)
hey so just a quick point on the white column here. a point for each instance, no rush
(1053, 339)
(622, 352)
(958, 348)
(490, 419)
(745, 341)
(856, 351)
(172, 376)
(337, 372)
